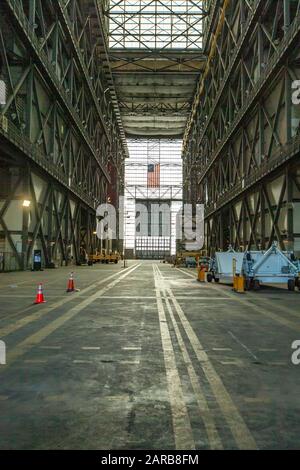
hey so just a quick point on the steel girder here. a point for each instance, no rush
(56, 222)
(156, 56)
(260, 215)
(243, 135)
(59, 118)
(210, 6)
(155, 24)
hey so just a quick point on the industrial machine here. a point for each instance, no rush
(186, 258)
(103, 257)
(113, 257)
(272, 266)
(192, 259)
(225, 265)
(98, 257)
(190, 262)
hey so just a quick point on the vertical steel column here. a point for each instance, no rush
(221, 230)
(244, 239)
(50, 225)
(262, 218)
(260, 110)
(32, 10)
(29, 101)
(290, 208)
(67, 230)
(287, 14)
(25, 216)
(288, 104)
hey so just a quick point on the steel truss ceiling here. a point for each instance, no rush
(155, 53)
(155, 24)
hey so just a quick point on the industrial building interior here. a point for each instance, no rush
(119, 329)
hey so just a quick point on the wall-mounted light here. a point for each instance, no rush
(26, 203)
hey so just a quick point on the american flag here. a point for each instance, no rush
(154, 175)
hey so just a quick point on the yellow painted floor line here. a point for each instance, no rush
(295, 326)
(235, 421)
(31, 307)
(205, 413)
(287, 309)
(183, 434)
(36, 338)
(194, 276)
(44, 310)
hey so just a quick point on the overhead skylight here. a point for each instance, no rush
(155, 24)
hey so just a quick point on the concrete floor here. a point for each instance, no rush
(146, 358)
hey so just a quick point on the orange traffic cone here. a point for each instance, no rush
(71, 284)
(40, 296)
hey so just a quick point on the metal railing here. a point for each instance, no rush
(32, 151)
(228, 73)
(23, 21)
(209, 5)
(263, 81)
(282, 155)
(82, 64)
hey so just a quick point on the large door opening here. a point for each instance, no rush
(153, 197)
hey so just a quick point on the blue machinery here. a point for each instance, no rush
(272, 267)
(221, 266)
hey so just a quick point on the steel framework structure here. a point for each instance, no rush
(62, 146)
(156, 56)
(155, 24)
(241, 145)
